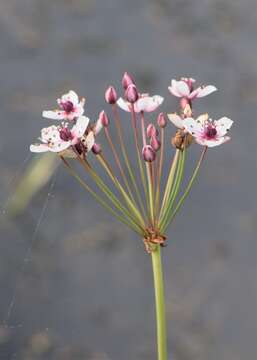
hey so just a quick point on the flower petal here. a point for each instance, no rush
(98, 126)
(54, 115)
(39, 148)
(204, 91)
(183, 88)
(212, 142)
(193, 127)
(176, 120)
(89, 141)
(80, 127)
(223, 125)
(148, 103)
(123, 104)
(70, 96)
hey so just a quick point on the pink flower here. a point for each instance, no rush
(71, 108)
(184, 89)
(144, 103)
(208, 132)
(178, 121)
(60, 139)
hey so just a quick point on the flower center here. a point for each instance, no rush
(65, 134)
(67, 106)
(210, 132)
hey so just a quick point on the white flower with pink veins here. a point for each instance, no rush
(209, 132)
(184, 88)
(70, 108)
(64, 141)
(144, 103)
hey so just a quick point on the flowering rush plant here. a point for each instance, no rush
(138, 194)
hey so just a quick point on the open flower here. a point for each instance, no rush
(61, 139)
(144, 103)
(70, 108)
(184, 88)
(208, 132)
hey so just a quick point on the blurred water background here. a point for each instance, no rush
(86, 290)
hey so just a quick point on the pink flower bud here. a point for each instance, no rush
(161, 120)
(148, 153)
(127, 80)
(111, 95)
(104, 118)
(184, 102)
(151, 131)
(155, 143)
(131, 94)
(96, 149)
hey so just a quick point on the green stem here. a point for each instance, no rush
(159, 303)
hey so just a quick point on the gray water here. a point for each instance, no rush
(86, 291)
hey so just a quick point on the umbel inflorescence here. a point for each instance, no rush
(140, 196)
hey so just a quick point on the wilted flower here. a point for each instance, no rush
(71, 108)
(184, 89)
(144, 103)
(208, 132)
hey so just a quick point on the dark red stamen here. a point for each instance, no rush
(65, 134)
(67, 106)
(210, 132)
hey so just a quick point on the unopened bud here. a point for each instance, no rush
(127, 80)
(96, 149)
(148, 153)
(161, 120)
(131, 94)
(155, 143)
(151, 130)
(104, 118)
(111, 95)
(184, 102)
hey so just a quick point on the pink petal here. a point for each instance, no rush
(176, 120)
(206, 90)
(90, 140)
(123, 104)
(213, 142)
(54, 115)
(98, 126)
(193, 127)
(223, 125)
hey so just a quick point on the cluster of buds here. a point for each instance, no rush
(145, 205)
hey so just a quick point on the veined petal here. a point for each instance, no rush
(80, 127)
(223, 125)
(148, 103)
(54, 114)
(123, 104)
(205, 90)
(176, 120)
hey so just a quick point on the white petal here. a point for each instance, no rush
(174, 91)
(71, 96)
(176, 120)
(148, 103)
(38, 148)
(183, 88)
(213, 142)
(80, 127)
(90, 140)
(123, 104)
(202, 118)
(223, 125)
(193, 127)
(59, 146)
(206, 90)
(54, 115)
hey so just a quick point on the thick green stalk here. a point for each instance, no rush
(159, 303)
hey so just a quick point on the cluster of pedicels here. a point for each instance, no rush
(147, 212)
